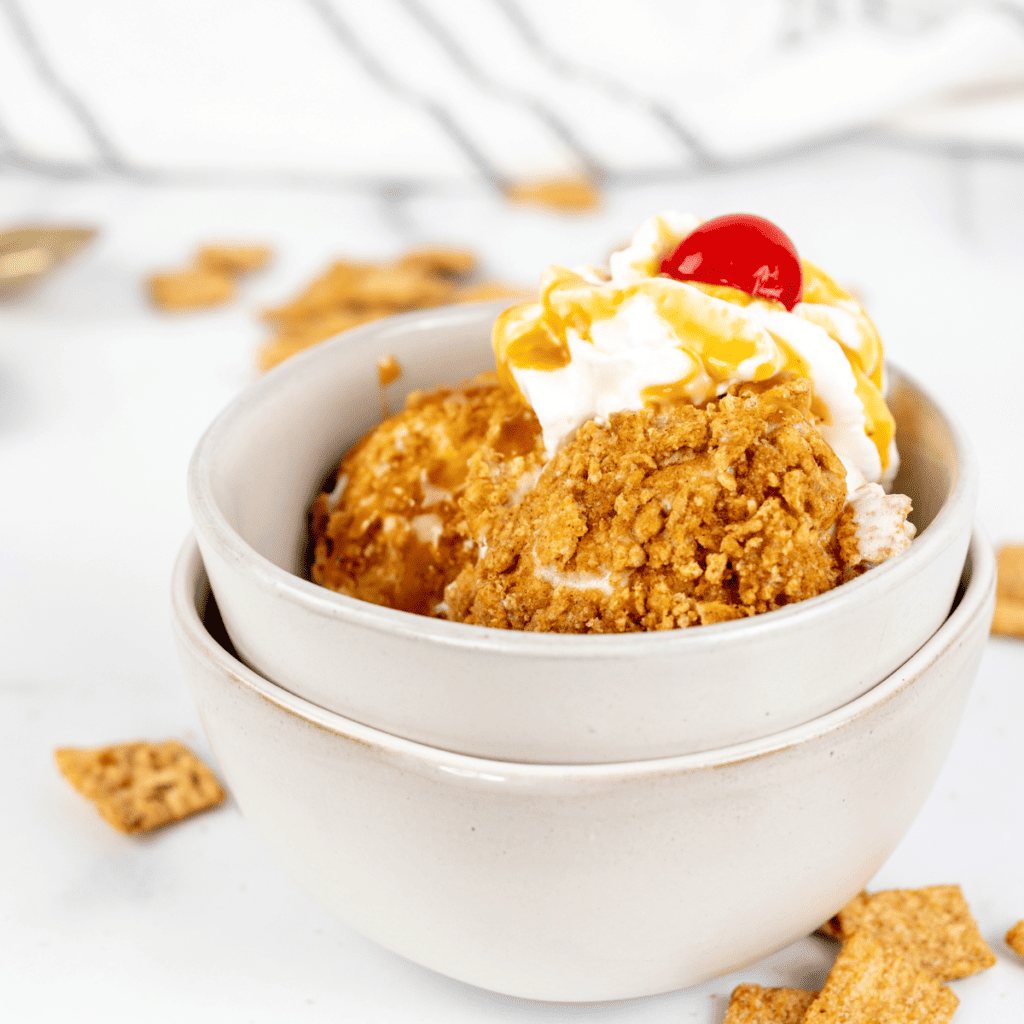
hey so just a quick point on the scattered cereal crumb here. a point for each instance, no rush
(1008, 619)
(192, 288)
(439, 261)
(138, 787)
(931, 928)
(872, 983)
(348, 294)
(1015, 938)
(1011, 573)
(233, 259)
(833, 928)
(209, 281)
(292, 340)
(1009, 614)
(567, 195)
(752, 1004)
(388, 370)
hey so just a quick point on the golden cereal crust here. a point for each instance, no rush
(932, 928)
(871, 984)
(752, 1004)
(658, 519)
(389, 528)
(138, 787)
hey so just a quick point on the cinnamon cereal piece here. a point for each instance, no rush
(332, 291)
(138, 787)
(752, 1004)
(388, 370)
(439, 261)
(350, 293)
(1010, 583)
(876, 985)
(193, 288)
(395, 290)
(233, 259)
(1009, 615)
(567, 195)
(1015, 938)
(931, 928)
(832, 928)
(302, 336)
(1008, 619)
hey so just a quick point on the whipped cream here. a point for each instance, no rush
(599, 343)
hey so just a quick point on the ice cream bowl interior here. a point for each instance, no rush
(526, 696)
(583, 882)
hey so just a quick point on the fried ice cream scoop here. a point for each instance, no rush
(695, 434)
(390, 530)
(659, 519)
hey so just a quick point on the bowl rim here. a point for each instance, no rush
(189, 580)
(211, 523)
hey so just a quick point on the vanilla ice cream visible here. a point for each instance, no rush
(880, 522)
(600, 343)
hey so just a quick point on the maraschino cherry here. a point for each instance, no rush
(741, 251)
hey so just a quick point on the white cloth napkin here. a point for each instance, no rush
(444, 90)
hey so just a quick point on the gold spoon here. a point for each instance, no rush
(28, 254)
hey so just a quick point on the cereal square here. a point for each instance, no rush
(752, 1004)
(138, 787)
(233, 259)
(1008, 619)
(439, 261)
(932, 928)
(1010, 582)
(566, 195)
(832, 928)
(871, 984)
(190, 289)
(1015, 938)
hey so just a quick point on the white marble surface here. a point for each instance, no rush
(101, 402)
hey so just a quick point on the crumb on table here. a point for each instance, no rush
(566, 195)
(138, 787)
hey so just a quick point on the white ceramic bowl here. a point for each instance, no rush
(589, 882)
(525, 696)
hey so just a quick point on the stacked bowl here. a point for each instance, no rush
(563, 817)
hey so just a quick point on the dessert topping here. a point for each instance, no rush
(633, 338)
(740, 251)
